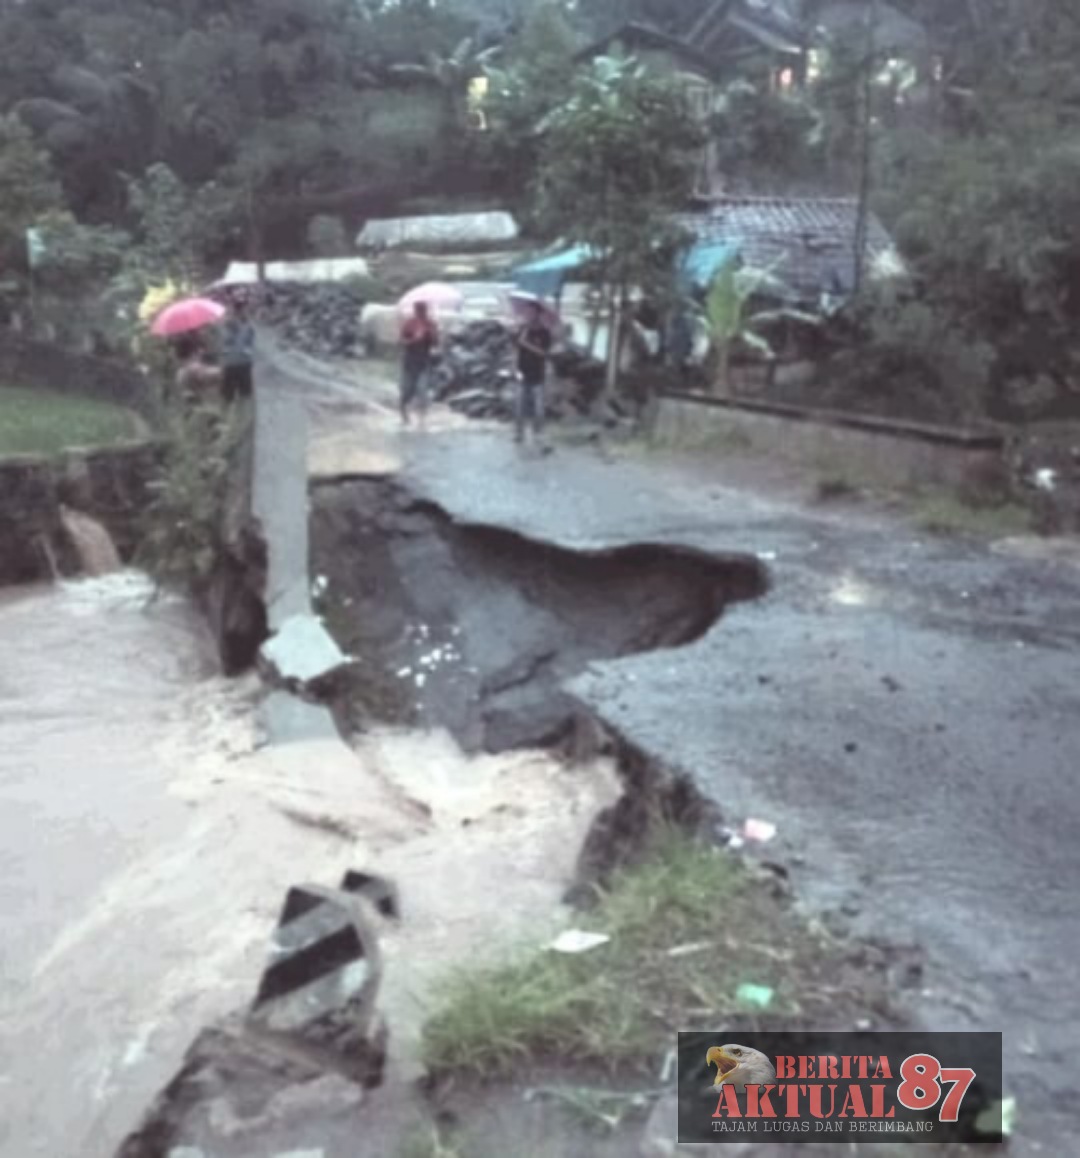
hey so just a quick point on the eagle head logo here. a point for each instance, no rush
(740, 1066)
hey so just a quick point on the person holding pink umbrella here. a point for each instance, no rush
(419, 338)
(534, 341)
(181, 323)
(194, 375)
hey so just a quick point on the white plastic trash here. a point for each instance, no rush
(578, 941)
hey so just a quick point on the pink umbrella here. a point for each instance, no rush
(186, 315)
(436, 295)
(521, 304)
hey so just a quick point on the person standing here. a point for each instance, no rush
(419, 337)
(238, 353)
(534, 342)
(195, 379)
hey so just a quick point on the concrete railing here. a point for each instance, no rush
(887, 451)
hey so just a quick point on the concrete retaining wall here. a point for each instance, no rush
(111, 484)
(877, 450)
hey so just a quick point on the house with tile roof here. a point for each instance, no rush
(809, 243)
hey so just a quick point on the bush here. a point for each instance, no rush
(910, 360)
(183, 527)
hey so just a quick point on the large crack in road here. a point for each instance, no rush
(476, 629)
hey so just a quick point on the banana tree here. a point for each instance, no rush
(450, 74)
(729, 320)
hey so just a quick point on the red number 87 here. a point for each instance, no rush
(921, 1089)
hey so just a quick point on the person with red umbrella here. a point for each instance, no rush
(419, 338)
(181, 323)
(194, 374)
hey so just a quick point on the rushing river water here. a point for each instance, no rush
(148, 836)
(92, 675)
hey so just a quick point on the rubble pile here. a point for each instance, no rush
(474, 372)
(321, 319)
(475, 375)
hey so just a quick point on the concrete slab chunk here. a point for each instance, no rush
(303, 652)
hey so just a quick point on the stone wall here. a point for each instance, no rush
(111, 484)
(875, 450)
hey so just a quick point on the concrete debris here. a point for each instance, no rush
(309, 1046)
(302, 654)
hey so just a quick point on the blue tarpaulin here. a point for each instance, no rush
(545, 276)
(703, 262)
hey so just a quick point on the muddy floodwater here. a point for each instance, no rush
(148, 835)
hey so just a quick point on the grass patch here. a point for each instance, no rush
(46, 422)
(687, 927)
(944, 513)
(836, 480)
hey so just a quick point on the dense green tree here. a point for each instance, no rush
(534, 77)
(28, 189)
(619, 157)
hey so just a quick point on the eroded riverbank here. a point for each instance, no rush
(149, 836)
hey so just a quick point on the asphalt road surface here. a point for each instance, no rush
(905, 708)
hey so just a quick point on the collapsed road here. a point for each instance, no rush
(855, 701)
(903, 707)
(477, 629)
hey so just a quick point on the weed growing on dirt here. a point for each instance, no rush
(687, 926)
(949, 514)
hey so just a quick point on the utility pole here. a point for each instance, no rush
(862, 214)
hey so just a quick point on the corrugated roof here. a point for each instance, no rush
(811, 241)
